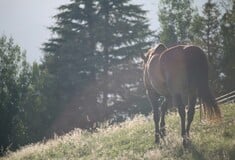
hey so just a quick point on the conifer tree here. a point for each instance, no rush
(210, 42)
(175, 19)
(123, 35)
(93, 40)
(211, 31)
(228, 36)
(207, 34)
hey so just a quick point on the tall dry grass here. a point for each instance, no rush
(134, 139)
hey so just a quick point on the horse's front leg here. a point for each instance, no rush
(153, 98)
(181, 109)
(156, 118)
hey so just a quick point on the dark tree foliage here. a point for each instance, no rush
(123, 35)
(15, 78)
(211, 30)
(38, 111)
(93, 42)
(175, 18)
(206, 29)
(70, 54)
(228, 34)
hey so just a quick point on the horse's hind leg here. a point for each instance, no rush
(164, 107)
(153, 98)
(191, 111)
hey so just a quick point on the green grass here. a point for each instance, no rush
(134, 139)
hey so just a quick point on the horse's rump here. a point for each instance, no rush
(173, 67)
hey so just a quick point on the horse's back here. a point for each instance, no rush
(174, 68)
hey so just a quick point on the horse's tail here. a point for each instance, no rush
(210, 105)
(198, 76)
(211, 109)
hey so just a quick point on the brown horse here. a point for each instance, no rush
(180, 74)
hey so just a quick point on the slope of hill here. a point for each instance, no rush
(134, 139)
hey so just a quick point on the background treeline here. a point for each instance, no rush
(91, 70)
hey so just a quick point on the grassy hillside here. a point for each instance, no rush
(134, 139)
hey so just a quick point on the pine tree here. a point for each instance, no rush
(211, 33)
(70, 58)
(175, 19)
(93, 41)
(228, 36)
(196, 29)
(211, 42)
(123, 36)
(207, 34)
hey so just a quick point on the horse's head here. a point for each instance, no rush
(157, 50)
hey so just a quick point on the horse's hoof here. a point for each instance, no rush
(186, 143)
(157, 139)
(163, 133)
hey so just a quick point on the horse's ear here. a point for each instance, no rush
(159, 48)
(145, 58)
